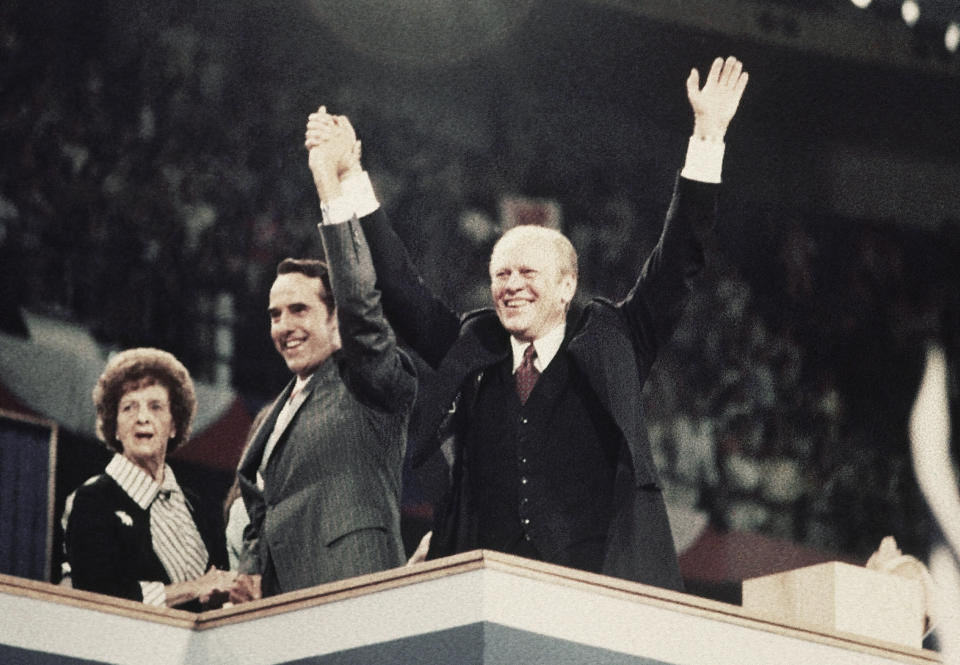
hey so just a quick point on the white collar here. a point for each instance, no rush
(298, 386)
(137, 483)
(546, 346)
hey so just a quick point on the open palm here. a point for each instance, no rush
(715, 104)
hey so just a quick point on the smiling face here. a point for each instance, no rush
(304, 331)
(145, 426)
(532, 280)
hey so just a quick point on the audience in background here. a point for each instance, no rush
(121, 186)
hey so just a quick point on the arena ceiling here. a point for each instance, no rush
(876, 34)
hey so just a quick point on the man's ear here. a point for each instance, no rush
(568, 287)
(334, 323)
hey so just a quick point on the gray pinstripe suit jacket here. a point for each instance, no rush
(337, 466)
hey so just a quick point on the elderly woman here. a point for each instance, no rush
(132, 531)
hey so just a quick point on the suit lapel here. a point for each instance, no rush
(592, 359)
(325, 373)
(483, 342)
(608, 362)
(251, 460)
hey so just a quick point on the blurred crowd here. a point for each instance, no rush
(153, 175)
(783, 401)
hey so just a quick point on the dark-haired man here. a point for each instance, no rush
(321, 478)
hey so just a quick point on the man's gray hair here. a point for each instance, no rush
(562, 247)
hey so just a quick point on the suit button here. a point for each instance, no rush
(526, 521)
(523, 481)
(526, 536)
(523, 460)
(524, 420)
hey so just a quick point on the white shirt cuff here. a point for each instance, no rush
(337, 211)
(359, 190)
(154, 594)
(356, 198)
(704, 160)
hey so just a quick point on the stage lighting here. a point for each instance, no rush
(910, 11)
(951, 38)
(862, 4)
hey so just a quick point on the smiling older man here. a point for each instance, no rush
(552, 459)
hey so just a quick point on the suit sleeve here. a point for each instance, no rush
(654, 305)
(251, 557)
(419, 317)
(387, 376)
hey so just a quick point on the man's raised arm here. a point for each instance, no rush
(367, 340)
(658, 298)
(417, 315)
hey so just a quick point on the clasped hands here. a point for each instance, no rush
(216, 587)
(332, 144)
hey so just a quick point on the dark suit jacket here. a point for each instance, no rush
(613, 345)
(337, 466)
(111, 554)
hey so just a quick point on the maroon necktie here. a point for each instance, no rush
(526, 375)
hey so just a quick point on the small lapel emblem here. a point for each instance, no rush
(126, 519)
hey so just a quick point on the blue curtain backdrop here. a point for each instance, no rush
(27, 454)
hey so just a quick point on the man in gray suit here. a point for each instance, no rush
(321, 477)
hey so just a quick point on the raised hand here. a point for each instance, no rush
(715, 104)
(350, 162)
(331, 142)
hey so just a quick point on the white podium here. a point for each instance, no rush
(478, 608)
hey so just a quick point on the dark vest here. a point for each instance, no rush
(542, 472)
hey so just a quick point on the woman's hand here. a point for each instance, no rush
(212, 589)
